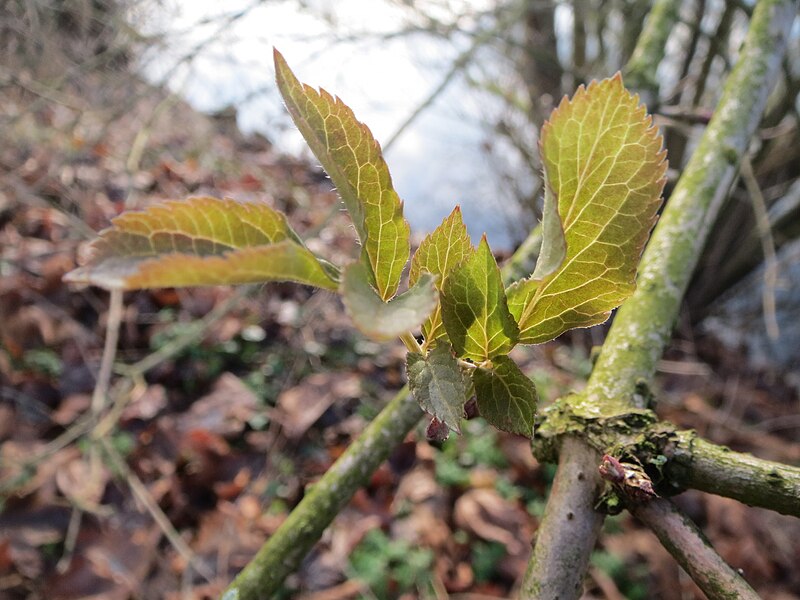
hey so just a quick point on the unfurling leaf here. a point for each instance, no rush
(386, 320)
(200, 241)
(439, 253)
(474, 309)
(604, 164)
(506, 397)
(438, 384)
(554, 244)
(352, 158)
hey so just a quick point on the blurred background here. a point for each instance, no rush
(226, 403)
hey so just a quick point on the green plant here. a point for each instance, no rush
(389, 567)
(603, 168)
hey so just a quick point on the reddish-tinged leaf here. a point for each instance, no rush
(439, 385)
(201, 241)
(353, 159)
(604, 164)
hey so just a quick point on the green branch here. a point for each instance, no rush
(640, 72)
(700, 465)
(284, 550)
(643, 325)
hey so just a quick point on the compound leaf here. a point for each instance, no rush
(506, 397)
(438, 384)
(200, 241)
(352, 158)
(474, 308)
(386, 320)
(439, 253)
(605, 166)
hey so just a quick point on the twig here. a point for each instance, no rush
(459, 64)
(142, 495)
(193, 332)
(767, 246)
(70, 539)
(692, 550)
(698, 464)
(285, 549)
(643, 325)
(114, 319)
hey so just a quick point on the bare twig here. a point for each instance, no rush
(114, 319)
(193, 332)
(767, 246)
(692, 550)
(146, 499)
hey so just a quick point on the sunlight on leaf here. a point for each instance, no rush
(439, 384)
(352, 158)
(200, 241)
(554, 244)
(506, 397)
(439, 253)
(605, 165)
(474, 309)
(386, 320)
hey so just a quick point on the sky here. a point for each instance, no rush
(437, 163)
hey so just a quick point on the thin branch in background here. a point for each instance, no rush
(192, 333)
(458, 66)
(70, 539)
(114, 319)
(146, 499)
(692, 550)
(767, 246)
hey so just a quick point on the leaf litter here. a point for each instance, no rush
(226, 432)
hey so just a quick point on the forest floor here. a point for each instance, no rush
(227, 403)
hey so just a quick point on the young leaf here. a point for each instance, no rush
(353, 160)
(506, 397)
(386, 320)
(438, 384)
(554, 244)
(474, 309)
(200, 241)
(439, 253)
(605, 166)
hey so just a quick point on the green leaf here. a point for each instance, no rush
(604, 163)
(439, 385)
(386, 320)
(353, 160)
(554, 244)
(439, 253)
(474, 308)
(200, 241)
(506, 397)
